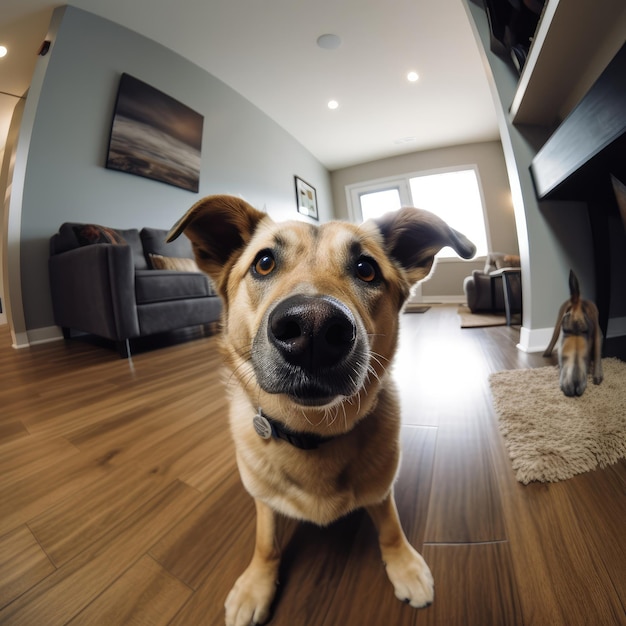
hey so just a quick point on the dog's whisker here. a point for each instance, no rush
(332, 413)
(307, 419)
(321, 420)
(330, 418)
(379, 358)
(352, 380)
(244, 356)
(371, 370)
(243, 374)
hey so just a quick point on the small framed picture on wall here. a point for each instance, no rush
(306, 198)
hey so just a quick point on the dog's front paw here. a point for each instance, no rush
(249, 601)
(411, 578)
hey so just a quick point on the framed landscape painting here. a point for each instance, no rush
(155, 136)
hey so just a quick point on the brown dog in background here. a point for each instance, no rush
(581, 341)
(310, 328)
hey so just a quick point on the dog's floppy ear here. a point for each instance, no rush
(218, 227)
(413, 237)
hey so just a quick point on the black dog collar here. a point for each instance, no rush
(267, 428)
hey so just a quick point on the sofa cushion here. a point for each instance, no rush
(508, 260)
(164, 316)
(88, 234)
(68, 238)
(134, 241)
(178, 264)
(153, 240)
(499, 260)
(163, 285)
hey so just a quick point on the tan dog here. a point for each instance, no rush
(310, 328)
(581, 341)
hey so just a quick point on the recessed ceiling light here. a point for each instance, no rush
(412, 77)
(333, 104)
(329, 41)
(3, 51)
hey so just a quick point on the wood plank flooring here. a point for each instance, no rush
(120, 501)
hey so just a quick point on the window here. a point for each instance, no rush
(453, 195)
(377, 203)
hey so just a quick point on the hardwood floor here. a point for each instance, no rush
(120, 501)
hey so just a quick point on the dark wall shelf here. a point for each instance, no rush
(590, 143)
(579, 162)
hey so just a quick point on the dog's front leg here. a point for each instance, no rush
(249, 601)
(406, 568)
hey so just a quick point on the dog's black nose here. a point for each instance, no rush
(312, 332)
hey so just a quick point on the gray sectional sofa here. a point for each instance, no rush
(104, 282)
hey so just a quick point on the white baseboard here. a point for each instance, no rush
(44, 335)
(20, 341)
(536, 340)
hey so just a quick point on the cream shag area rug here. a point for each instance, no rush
(551, 437)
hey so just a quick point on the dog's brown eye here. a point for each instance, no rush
(366, 270)
(264, 263)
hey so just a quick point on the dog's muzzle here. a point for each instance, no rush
(312, 349)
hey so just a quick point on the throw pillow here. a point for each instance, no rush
(510, 260)
(160, 262)
(88, 234)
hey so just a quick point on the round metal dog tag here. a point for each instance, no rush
(262, 426)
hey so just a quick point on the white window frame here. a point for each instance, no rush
(401, 182)
(354, 193)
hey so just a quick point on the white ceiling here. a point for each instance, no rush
(266, 50)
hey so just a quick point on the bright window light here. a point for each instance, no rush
(453, 195)
(378, 203)
(455, 198)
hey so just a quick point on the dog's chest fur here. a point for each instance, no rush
(351, 471)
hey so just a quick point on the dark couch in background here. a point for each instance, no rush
(486, 290)
(104, 282)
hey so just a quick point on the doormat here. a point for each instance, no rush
(416, 308)
(479, 320)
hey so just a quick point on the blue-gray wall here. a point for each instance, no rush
(244, 152)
